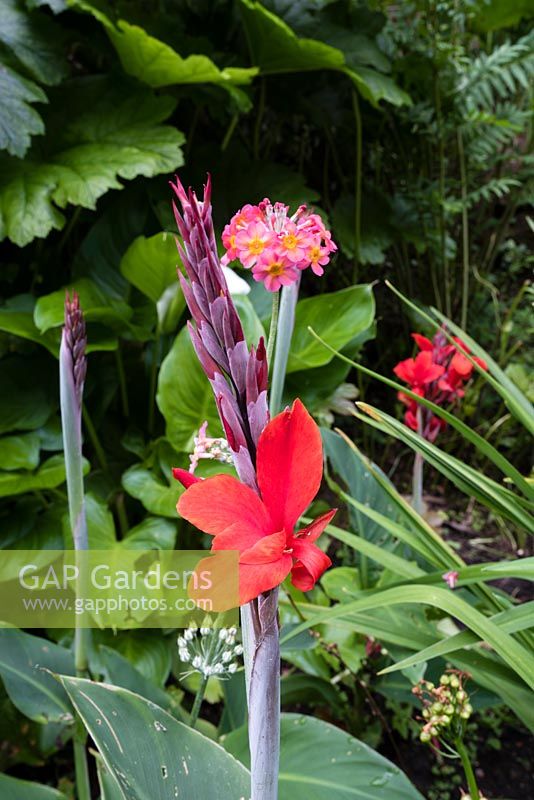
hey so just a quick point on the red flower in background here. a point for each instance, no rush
(439, 373)
(261, 527)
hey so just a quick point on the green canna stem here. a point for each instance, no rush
(72, 366)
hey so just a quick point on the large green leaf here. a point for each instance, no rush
(151, 754)
(26, 394)
(277, 49)
(50, 475)
(156, 63)
(155, 495)
(339, 317)
(18, 120)
(112, 132)
(20, 452)
(147, 650)
(318, 760)
(16, 789)
(34, 40)
(25, 665)
(97, 306)
(150, 264)
(184, 395)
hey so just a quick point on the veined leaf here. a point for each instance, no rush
(318, 760)
(277, 49)
(156, 63)
(50, 474)
(112, 134)
(151, 754)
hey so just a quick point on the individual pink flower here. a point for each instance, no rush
(275, 270)
(317, 257)
(294, 243)
(251, 242)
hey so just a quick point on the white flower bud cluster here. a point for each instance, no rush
(210, 651)
(216, 449)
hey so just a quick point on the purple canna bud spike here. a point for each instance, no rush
(75, 338)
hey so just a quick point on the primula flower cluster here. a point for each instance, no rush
(277, 247)
(439, 373)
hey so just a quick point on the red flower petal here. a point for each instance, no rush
(265, 550)
(237, 537)
(461, 365)
(257, 578)
(185, 477)
(405, 370)
(216, 503)
(312, 531)
(312, 562)
(289, 465)
(425, 371)
(422, 342)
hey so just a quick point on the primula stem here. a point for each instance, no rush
(273, 328)
(468, 769)
(80, 762)
(199, 697)
(465, 231)
(286, 322)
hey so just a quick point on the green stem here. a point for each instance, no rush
(442, 229)
(468, 769)
(95, 441)
(259, 118)
(273, 328)
(122, 382)
(229, 132)
(83, 786)
(357, 183)
(465, 231)
(153, 382)
(199, 697)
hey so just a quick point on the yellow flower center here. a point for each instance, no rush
(275, 268)
(290, 241)
(256, 247)
(315, 253)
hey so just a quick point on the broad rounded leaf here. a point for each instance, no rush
(338, 318)
(113, 132)
(318, 761)
(20, 452)
(151, 754)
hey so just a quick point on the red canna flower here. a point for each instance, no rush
(261, 527)
(420, 370)
(439, 373)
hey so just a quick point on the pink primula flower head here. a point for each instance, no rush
(275, 245)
